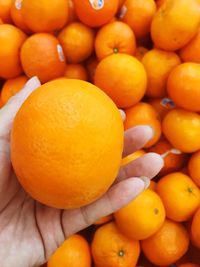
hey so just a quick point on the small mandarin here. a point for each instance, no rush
(180, 195)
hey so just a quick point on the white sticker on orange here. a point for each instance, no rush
(122, 12)
(97, 4)
(60, 53)
(18, 4)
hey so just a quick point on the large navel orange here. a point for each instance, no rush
(66, 143)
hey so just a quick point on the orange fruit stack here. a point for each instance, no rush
(143, 55)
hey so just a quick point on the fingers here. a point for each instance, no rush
(8, 112)
(118, 196)
(123, 114)
(148, 165)
(136, 137)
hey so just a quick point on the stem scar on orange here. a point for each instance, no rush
(72, 130)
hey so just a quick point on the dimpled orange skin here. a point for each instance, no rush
(183, 86)
(72, 252)
(72, 130)
(96, 17)
(11, 39)
(182, 129)
(47, 62)
(171, 29)
(144, 114)
(44, 15)
(158, 65)
(123, 78)
(132, 219)
(194, 167)
(12, 86)
(168, 245)
(180, 195)
(115, 37)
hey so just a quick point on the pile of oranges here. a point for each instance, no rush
(145, 55)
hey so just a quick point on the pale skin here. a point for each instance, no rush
(29, 231)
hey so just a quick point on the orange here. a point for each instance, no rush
(157, 76)
(138, 14)
(114, 37)
(11, 87)
(74, 252)
(191, 52)
(1, 21)
(110, 248)
(182, 129)
(47, 62)
(171, 29)
(91, 65)
(173, 158)
(180, 195)
(140, 52)
(194, 167)
(76, 71)
(73, 120)
(195, 231)
(16, 14)
(72, 17)
(96, 13)
(77, 41)
(183, 86)
(105, 219)
(144, 114)
(44, 15)
(132, 219)
(135, 155)
(161, 105)
(5, 6)
(123, 78)
(168, 245)
(11, 39)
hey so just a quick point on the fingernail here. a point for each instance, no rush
(33, 83)
(123, 114)
(147, 129)
(146, 181)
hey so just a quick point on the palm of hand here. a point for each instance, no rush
(29, 231)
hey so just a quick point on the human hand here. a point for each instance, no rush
(29, 231)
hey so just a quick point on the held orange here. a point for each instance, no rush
(171, 29)
(182, 129)
(123, 78)
(60, 157)
(75, 251)
(45, 15)
(132, 219)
